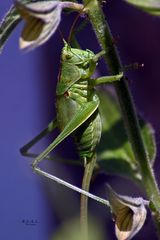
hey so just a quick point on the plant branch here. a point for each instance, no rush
(129, 114)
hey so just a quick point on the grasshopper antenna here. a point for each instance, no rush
(73, 25)
(61, 35)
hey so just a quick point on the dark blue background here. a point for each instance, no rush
(27, 96)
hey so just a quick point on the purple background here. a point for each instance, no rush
(27, 96)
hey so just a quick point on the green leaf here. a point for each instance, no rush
(115, 155)
(149, 6)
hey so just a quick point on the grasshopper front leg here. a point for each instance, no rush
(108, 79)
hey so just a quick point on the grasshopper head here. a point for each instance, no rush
(83, 59)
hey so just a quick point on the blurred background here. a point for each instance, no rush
(30, 206)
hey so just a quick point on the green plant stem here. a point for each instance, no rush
(90, 165)
(129, 114)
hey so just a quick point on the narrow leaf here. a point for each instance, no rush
(8, 24)
(115, 155)
(149, 6)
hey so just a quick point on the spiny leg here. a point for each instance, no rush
(70, 186)
(75, 122)
(78, 119)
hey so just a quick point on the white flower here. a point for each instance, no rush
(129, 214)
(42, 19)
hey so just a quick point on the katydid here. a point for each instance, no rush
(77, 113)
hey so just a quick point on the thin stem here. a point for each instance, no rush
(129, 114)
(84, 199)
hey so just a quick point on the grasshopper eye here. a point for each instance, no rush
(68, 55)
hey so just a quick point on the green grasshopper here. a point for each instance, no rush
(77, 112)
(77, 105)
